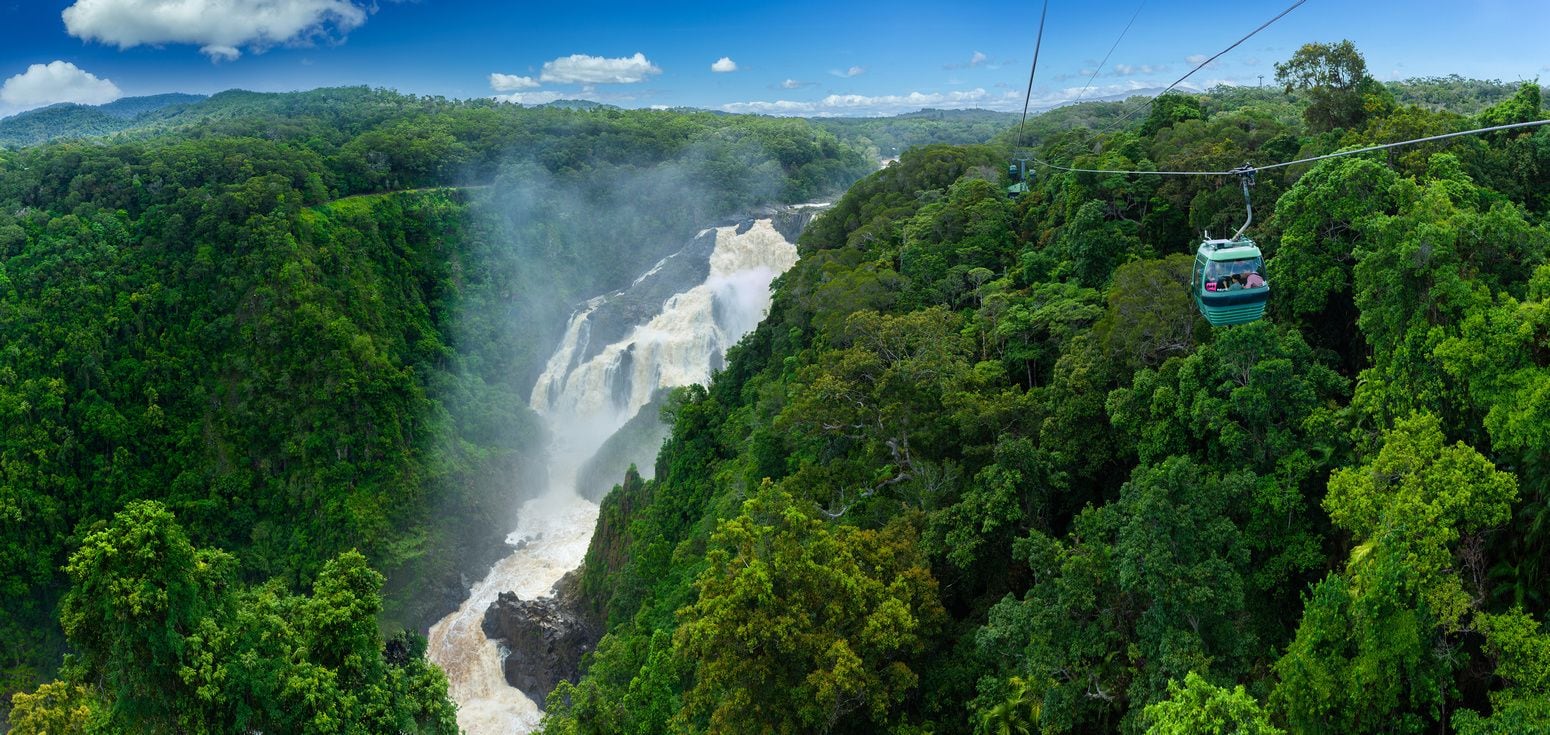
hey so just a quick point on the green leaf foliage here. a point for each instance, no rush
(1133, 522)
(983, 469)
(797, 629)
(170, 644)
(1402, 600)
(308, 323)
(1199, 708)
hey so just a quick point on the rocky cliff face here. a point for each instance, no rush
(790, 221)
(622, 310)
(543, 639)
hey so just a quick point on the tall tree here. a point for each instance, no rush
(1379, 643)
(1334, 76)
(170, 645)
(800, 628)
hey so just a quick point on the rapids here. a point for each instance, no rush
(584, 395)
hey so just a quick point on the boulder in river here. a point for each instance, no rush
(544, 639)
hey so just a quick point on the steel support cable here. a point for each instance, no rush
(1153, 100)
(1203, 65)
(1034, 70)
(1339, 154)
(1444, 136)
(1106, 56)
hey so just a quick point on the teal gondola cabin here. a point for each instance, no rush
(1229, 281)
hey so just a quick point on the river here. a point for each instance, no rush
(586, 393)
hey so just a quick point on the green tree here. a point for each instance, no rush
(800, 628)
(1185, 560)
(870, 410)
(140, 595)
(1437, 258)
(1033, 329)
(1522, 106)
(1521, 648)
(175, 648)
(1150, 316)
(1169, 109)
(1074, 629)
(1333, 76)
(1378, 644)
(1016, 714)
(1320, 221)
(1498, 356)
(56, 708)
(1201, 708)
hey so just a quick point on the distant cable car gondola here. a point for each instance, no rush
(1229, 279)
(1017, 171)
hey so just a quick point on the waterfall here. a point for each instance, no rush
(585, 394)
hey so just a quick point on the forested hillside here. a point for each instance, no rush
(250, 361)
(985, 469)
(70, 120)
(887, 137)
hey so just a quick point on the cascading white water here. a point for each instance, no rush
(583, 404)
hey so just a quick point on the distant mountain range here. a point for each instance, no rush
(72, 121)
(69, 120)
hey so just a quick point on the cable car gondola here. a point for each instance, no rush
(1017, 171)
(1229, 278)
(1230, 286)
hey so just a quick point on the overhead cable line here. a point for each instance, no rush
(1428, 139)
(1106, 56)
(1203, 65)
(1029, 97)
(1368, 149)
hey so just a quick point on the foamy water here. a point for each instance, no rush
(555, 528)
(582, 407)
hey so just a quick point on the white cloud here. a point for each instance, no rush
(511, 82)
(854, 71)
(57, 81)
(723, 65)
(219, 27)
(857, 104)
(794, 84)
(1198, 59)
(1008, 99)
(584, 69)
(1125, 70)
(541, 97)
(977, 60)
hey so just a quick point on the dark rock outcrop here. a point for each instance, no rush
(636, 443)
(543, 639)
(625, 309)
(790, 221)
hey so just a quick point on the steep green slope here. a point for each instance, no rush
(984, 469)
(289, 329)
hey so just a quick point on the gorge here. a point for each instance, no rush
(669, 328)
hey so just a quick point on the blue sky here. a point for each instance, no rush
(812, 58)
